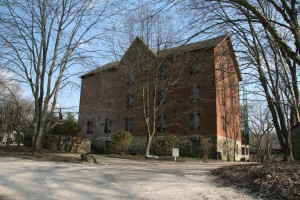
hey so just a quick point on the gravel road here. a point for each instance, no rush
(111, 179)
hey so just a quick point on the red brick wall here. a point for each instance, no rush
(103, 95)
(230, 105)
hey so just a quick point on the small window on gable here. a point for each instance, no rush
(224, 123)
(195, 120)
(107, 126)
(222, 72)
(162, 98)
(223, 95)
(130, 101)
(194, 68)
(162, 123)
(130, 80)
(138, 54)
(235, 86)
(195, 92)
(162, 72)
(89, 129)
(128, 124)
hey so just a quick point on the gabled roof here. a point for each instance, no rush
(205, 44)
(137, 42)
(107, 66)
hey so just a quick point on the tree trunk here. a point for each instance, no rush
(288, 149)
(148, 145)
(37, 146)
(18, 136)
(268, 152)
(7, 139)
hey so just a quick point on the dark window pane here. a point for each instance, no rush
(194, 68)
(89, 129)
(128, 124)
(107, 126)
(195, 120)
(130, 80)
(162, 73)
(130, 101)
(161, 123)
(162, 98)
(195, 93)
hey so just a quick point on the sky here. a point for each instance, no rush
(114, 40)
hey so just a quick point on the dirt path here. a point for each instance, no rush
(111, 179)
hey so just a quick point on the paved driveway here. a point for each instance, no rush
(111, 179)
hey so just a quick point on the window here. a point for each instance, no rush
(162, 72)
(161, 123)
(245, 151)
(130, 80)
(195, 120)
(194, 68)
(222, 72)
(234, 85)
(128, 124)
(89, 129)
(162, 99)
(224, 123)
(138, 54)
(107, 126)
(129, 100)
(195, 94)
(223, 95)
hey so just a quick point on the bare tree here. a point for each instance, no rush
(261, 130)
(266, 35)
(274, 72)
(278, 18)
(16, 113)
(154, 73)
(42, 40)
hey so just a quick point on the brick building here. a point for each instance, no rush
(192, 92)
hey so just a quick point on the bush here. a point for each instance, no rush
(121, 142)
(28, 140)
(206, 145)
(67, 127)
(164, 144)
(185, 146)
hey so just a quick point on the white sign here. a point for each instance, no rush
(175, 153)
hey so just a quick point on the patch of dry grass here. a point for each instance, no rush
(25, 153)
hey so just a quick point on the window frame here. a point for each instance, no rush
(162, 72)
(195, 92)
(195, 68)
(130, 78)
(129, 124)
(130, 101)
(161, 123)
(162, 97)
(195, 120)
(107, 126)
(89, 128)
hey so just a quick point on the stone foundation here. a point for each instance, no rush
(229, 149)
(219, 147)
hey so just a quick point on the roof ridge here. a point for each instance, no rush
(208, 43)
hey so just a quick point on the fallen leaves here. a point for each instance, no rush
(272, 181)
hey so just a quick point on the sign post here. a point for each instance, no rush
(175, 153)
